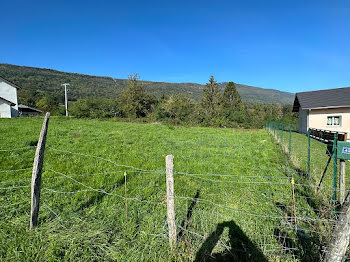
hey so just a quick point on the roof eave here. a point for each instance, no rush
(21, 107)
(7, 101)
(325, 107)
(10, 83)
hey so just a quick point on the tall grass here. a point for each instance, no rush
(231, 187)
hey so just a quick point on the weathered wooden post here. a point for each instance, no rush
(36, 174)
(339, 241)
(341, 181)
(170, 199)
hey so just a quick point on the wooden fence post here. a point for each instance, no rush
(339, 241)
(36, 174)
(170, 200)
(341, 181)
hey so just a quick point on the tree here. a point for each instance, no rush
(95, 108)
(231, 98)
(134, 100)
(180, 107)
(278, 111)
(49, 102)
(233, 109)
(210, 100)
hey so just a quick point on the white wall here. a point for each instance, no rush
(5, 110)
(9, 93)
(318, 119)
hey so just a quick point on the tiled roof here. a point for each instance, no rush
(338, 97)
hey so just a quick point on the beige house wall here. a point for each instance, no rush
(318, 118)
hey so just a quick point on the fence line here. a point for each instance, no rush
(15, 170)
(17, 149)
(96, 190)
(13, 187)
(101, 158)
(214, 178)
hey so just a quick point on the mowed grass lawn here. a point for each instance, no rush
(232, 188)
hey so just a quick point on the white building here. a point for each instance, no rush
(324, 109)
(8, 99)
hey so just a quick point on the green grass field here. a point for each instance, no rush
(232, 189)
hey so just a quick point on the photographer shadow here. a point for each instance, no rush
(241, 248)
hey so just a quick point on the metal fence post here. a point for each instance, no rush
(290, 141)
(308, 153)
(281, 134)
(282, 128)
(335, 141)
(341, 181)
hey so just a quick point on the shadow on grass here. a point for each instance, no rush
(98, 196)
(240, 246)
(186, 221)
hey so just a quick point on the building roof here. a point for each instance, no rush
(9, 82)
(7, 102)
(24, 107)
(330, 98)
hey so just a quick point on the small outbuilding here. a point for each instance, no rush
(28, 111)
(324, 109)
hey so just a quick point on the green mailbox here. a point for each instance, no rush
(343, 149)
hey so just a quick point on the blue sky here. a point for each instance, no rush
(287, 45)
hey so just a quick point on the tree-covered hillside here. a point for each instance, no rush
(35, 81)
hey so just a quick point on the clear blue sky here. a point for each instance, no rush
(287, 45)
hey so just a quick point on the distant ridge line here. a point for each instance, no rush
(84, 85)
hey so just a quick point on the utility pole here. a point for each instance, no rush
(66, 97)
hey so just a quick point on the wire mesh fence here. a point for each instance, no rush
(238, 194)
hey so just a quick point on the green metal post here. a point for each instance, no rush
(308, 153)
(281, 136)
(282, 129)
(335, 141)
(290, 141)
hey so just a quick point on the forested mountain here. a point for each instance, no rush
(38, 80)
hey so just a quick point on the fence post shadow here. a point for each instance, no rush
(241, 247)
(186, 221)
(97, 197)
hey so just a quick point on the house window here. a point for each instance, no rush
(333, 120)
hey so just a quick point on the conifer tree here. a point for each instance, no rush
(231, 98)
(134, 99)
(210, 100)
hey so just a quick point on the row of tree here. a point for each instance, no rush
(215, 108)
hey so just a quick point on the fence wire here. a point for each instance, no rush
(255, 195)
